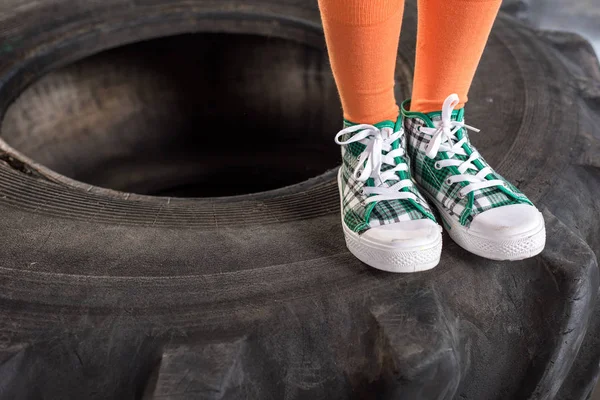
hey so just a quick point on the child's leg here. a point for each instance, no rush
(450, 40)
(483, 212)
(386, 221)
(362, 39)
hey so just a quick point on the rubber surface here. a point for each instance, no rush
(109, 295)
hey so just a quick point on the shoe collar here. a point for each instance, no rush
(428, 118)
(383, 124)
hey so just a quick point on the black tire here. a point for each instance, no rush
(111, 295)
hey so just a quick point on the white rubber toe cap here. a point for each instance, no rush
(507, 221)
(409, 246)
(404, 235)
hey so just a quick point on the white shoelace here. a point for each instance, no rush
(443, 139)
(372, 159)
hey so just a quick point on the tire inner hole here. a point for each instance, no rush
(187, 116)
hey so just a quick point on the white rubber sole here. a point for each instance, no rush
(392, 258)
(517, 247)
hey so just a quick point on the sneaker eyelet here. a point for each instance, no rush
(448, 182)
(461, 195)
(437, 165)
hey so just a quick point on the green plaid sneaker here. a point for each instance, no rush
(387, 223)
(482, 212)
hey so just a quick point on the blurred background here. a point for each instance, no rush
(581, 16)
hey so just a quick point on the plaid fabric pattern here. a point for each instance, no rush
(360, 216)
(433, 180)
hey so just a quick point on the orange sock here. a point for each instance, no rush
(362, 40)
(450, 40)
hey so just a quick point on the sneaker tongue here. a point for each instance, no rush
(358, 148)
(385, 208)
(394, 126)
(457, 115)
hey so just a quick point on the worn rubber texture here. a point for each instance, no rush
(110, 295)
